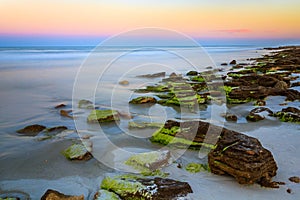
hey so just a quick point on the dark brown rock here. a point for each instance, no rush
(231, 117)
(192, 73)
(55, 195)
(143, 100)
(254, 115)
(65, 113)
(233, 62)
(295, 179)
(31, 130)
(60, 106)
(224, 64)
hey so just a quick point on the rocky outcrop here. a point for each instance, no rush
(289, 114)
(143, 100)
(77, 152)
(156, 75)
(231, 153)
(135, 187)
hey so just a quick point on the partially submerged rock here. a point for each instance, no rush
(289, 114)
(196, 167)
(135, 187)
(103, 116)
(55, 195)
(231, 153)
(86, 104)
(142, 125)
(149, 161)
(143, 100)
(295, 179)
(255, 114)
(233, 62)
(106, 195)
(155, 75)
(231, 117)
(60, 106)
(77, 152)
(66, 113)
(31, 130)
(124, 82)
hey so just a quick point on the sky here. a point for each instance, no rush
(89, 20)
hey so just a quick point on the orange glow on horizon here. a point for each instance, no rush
(103, 18)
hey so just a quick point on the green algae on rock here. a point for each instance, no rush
(289, 114)
(77, 152)
(133, 187)
(149, 161)
(196, 167)
(142, 125)
(106, 195)
(143, 100)
(86, 104)
(103, 116)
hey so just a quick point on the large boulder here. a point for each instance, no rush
(231, 153)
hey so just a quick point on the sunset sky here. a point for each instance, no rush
(84, 19)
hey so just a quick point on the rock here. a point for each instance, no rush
(31, 130)
(196, 167)
(224, 64)
(86, 104)
(296, 84)
(254, 116)
(77, 152)
(156, 75)
(173, 75)
(233, 62)
(142, 125)
(231, 117)
(234, 153)
(149, 161)
(260, 103)
(65, 113)
(14, 195)
(135, 187)
(60, 106)
(55, 195)
(124, 82)
(106, 195)
(289, 114)
(103, 116)
(192, 73)
(143, 100)
(281, 85)
(56, 129)
(289, 190)
(295, 179)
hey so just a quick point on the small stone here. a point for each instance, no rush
(231, 117)
(60, 106)
(85, 104)
(57, 129)
(55, 195)
(260, 103)
(31, 130)
(233, 62)
(192, 73)
(289, 190)
(65, 113)
(295, 179)
(224, 64)
(124, 82)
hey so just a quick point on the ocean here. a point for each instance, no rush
(33, 80)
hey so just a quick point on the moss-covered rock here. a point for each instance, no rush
(77, 152)
(55, 195)
(196, 167)
(142, 125)
(289, 114)
(106, 195)
(150, 161)
(135, 187)
(143, 100)
(86, 104)
(103, 116)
